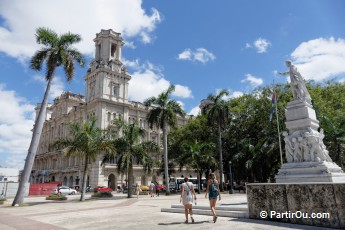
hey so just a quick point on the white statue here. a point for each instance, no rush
(297, 151)
(298, 88)
(288, 148)
(305, 147)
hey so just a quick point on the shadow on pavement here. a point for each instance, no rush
(243, 203)
(176, 223)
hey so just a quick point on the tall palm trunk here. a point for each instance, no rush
(130, 181)
(220, 157)
(29, 161)
(83, 188)
(165, 148)
(199, 181)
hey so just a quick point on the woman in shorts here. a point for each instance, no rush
(187, 188)
(213, 192)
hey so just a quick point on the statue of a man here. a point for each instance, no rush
(298, 88)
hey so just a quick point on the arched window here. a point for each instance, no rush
(113, 50)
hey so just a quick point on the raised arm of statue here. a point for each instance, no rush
(284, 73)
(298, 89)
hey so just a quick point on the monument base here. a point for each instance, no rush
(299, 172)
(297, 203)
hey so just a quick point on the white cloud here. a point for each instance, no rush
(182, 91)
(185, 55)
(320, 58)
(195, 111)
(254, 81)
(200, 54)
(261, 45)
(130, 44)
(56, 88)
(236, 94)
(148, 80)
(181, 104)
(16, 122)
(131, 64)
(21, 18)
(232, 94)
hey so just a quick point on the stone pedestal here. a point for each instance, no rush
(327, 200)
(300, 115)
(310, 172)
(307, 157)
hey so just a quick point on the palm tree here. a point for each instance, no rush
(57, 51)
(217, 111)
(130, 151)
(163, 114)
(86, 141)
(199, 156)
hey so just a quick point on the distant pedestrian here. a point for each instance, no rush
(157, 189)
(137, 189)
(213, 192)
(152, 188)
(187, 188)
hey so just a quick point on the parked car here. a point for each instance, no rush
(102, 189)
(64, 190)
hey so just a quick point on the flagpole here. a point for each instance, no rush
(280, 145)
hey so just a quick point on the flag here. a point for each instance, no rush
(273, 104)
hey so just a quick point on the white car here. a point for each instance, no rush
(64, 190)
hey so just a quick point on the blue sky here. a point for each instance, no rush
(200, 46)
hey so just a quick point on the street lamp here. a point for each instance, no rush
(231, 191)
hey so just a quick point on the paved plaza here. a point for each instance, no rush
(122, 213)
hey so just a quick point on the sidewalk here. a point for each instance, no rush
(123, 213)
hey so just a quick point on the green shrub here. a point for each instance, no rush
(102, 194)
(56, 197)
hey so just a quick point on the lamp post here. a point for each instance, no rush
(231, 191)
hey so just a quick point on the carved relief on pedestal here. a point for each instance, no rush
(305, 146)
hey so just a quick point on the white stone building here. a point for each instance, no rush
(106, 98)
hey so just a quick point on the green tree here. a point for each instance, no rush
(86, 141)
(199, 156)
(162, 115)
(217, 113)
(57, 51)
(129, 151)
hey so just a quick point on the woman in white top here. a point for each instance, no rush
(187, 188)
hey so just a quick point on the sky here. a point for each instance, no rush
(199, 46)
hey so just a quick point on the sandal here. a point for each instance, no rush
(192, 219)
(215, 219)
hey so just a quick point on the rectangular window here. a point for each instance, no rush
(115, 90)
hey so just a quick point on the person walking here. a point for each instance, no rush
(137, 190)
(157, 189)
(152, 188)
(187, 188)
(213, 192)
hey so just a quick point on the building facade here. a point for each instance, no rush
(106, 98)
